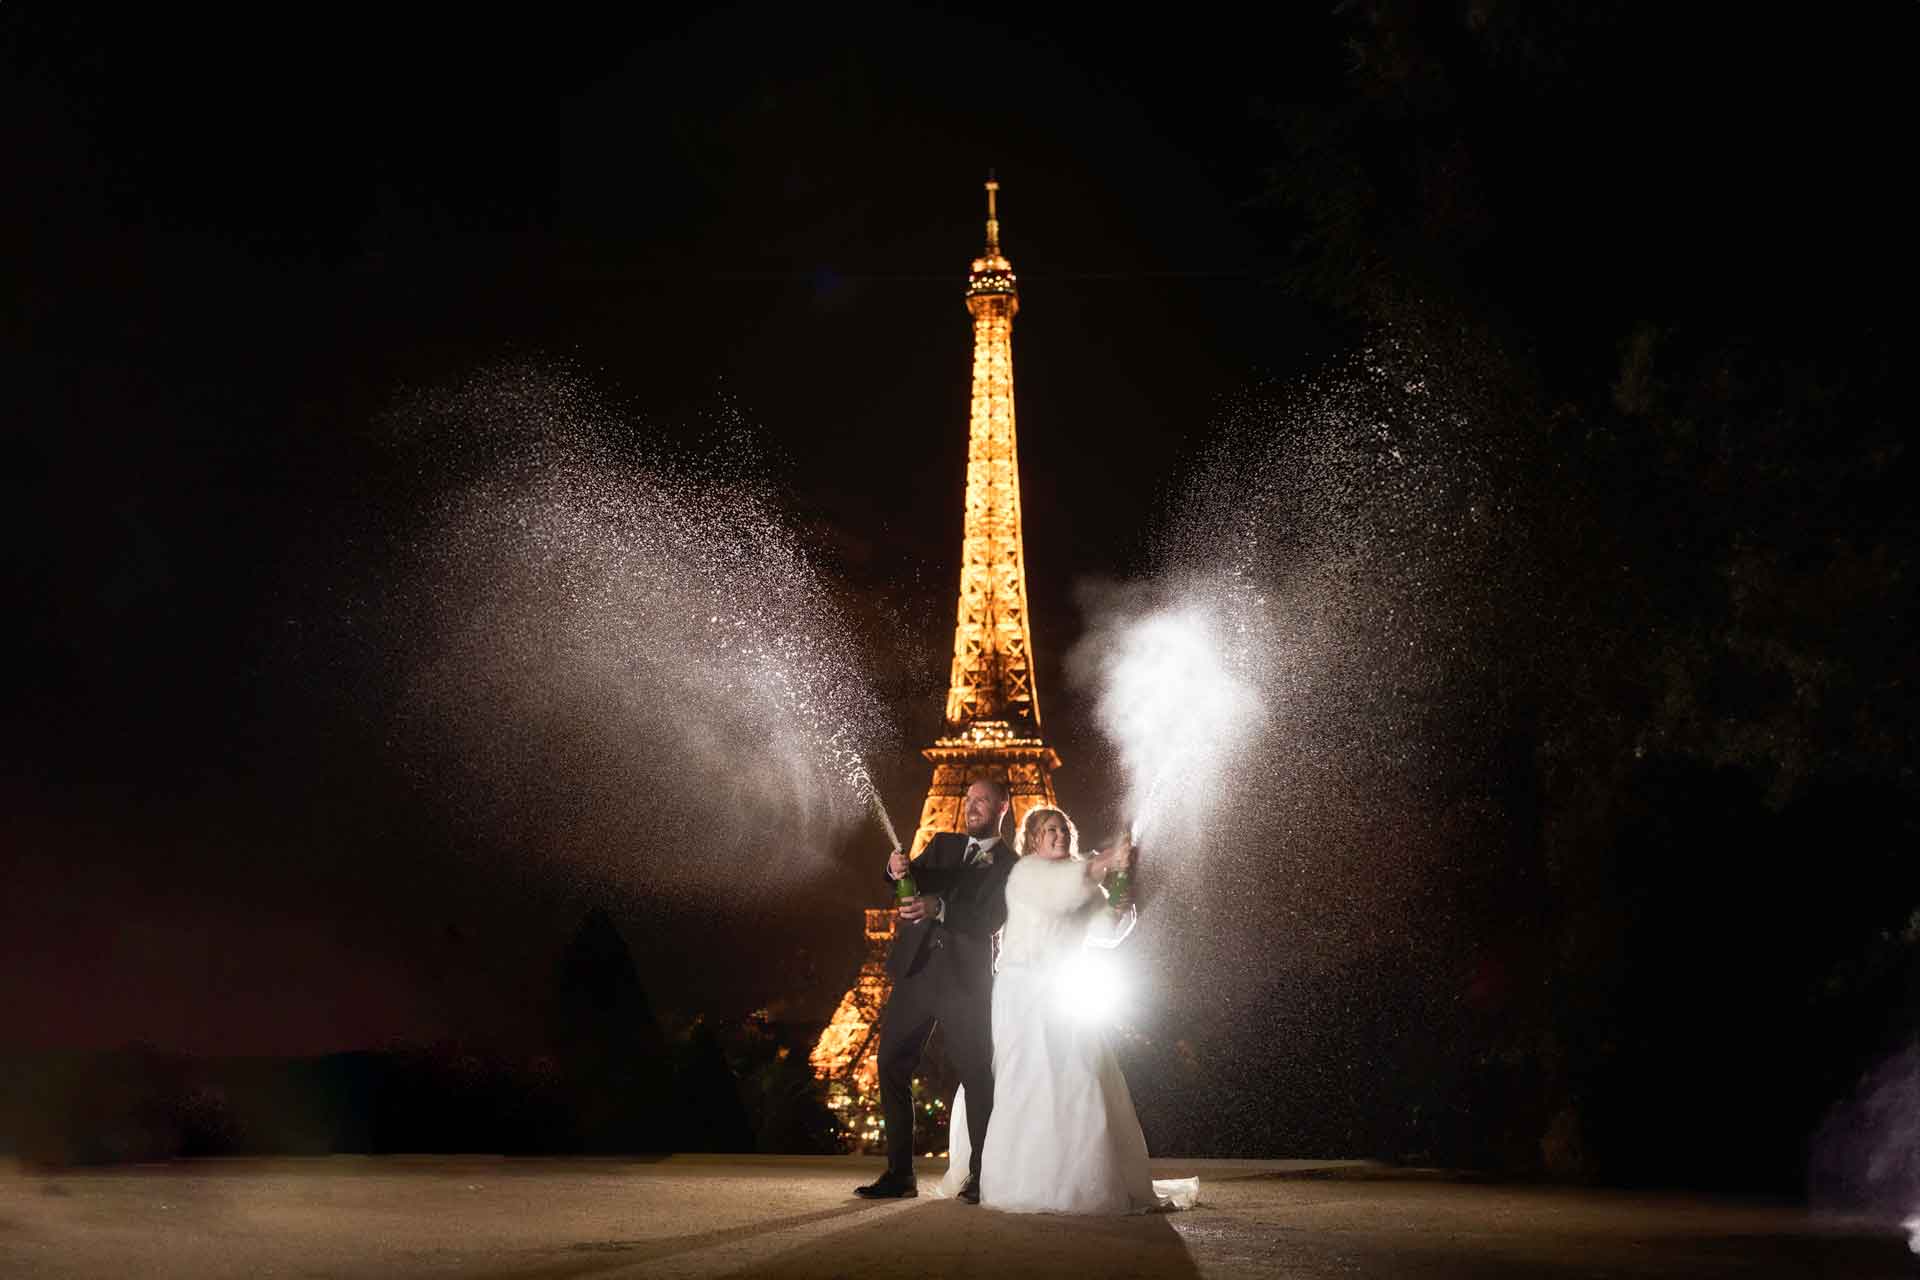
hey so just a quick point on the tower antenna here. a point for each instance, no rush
(993, 215)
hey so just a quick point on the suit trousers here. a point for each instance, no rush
(934, 993)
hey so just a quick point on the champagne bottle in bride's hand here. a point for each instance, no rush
(1119, 883)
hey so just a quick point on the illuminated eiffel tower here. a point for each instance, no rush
(992, 725)
(993, 711)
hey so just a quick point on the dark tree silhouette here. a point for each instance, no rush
(1618, 224)
(614, 1067)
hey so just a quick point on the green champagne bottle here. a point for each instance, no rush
(1119, 890)
(905, 888)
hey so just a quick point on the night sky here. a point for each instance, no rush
(244, 253)
(239, 248)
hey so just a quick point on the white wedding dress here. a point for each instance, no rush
(1064, 1137)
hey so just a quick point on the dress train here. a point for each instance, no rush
(1170, 1194)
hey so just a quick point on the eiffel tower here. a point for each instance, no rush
(992, 727)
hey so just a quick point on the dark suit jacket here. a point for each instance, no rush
(976, 899)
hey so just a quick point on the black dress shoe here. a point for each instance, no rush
(891, 1186)
(971, 1191)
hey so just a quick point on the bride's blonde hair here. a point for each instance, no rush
(1030, 830)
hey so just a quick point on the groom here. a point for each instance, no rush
(942, 970)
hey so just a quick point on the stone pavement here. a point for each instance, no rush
(704, 1216)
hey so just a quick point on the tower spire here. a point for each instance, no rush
(993, 216)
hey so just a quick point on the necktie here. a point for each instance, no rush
(973, 852)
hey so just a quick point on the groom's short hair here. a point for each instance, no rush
(999, 788)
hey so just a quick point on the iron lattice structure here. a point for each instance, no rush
(846, 1056)
(992, 727)
(993, 708)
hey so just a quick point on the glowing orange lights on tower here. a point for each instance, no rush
(993, 709)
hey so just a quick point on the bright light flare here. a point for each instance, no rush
(1088, 988)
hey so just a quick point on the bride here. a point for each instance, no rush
(1064, 1137)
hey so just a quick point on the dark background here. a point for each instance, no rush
(1662, 246)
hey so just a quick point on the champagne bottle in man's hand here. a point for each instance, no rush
(903, 885)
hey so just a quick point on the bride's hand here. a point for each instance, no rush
(1118, 858)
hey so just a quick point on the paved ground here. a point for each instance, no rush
(698, 1216)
